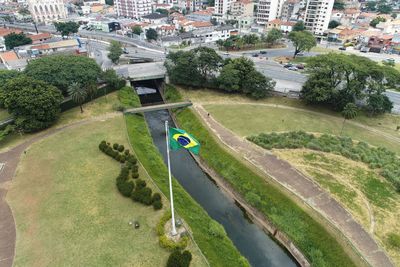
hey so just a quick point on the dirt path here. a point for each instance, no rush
(303, 187)
(368, 128)
(11, 159)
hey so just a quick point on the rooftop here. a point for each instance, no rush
(155, 16)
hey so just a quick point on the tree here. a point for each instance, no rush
(6, 75)
(385, 9)
(378, 104)
(376, 21)
(371, 6)
(16, 39)
(299, 26)
(111, 78)
(207, 61)
(24, 11)
(34, 104)
(251, 39)
(394, 15)
(66, 28)
(228, 79)
(63, 70)
(137, 30)
(114, 51)
(78, 94)
(228, 44)
(302, 41)
(162, 11)
(110, 2)
(349, 112)
(333, 24)
(151, 34)
(257, 86)
(339, 5)
(179, 259)
(273, 36)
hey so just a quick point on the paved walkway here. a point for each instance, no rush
(282, 172)
(11, 159)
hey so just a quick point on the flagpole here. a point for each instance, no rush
(173, 231)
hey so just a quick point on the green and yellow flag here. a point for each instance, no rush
(179, 138)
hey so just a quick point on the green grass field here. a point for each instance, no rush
(250, 119)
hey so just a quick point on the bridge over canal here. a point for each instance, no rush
(142, 71)
(159, 107)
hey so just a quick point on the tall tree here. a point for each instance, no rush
(151, 34)
(299, 26)
(62, 70)
(78, 94)
(349, 112)
(302, 41)
(385, 9)
(251, 39)
(115, 51)
(207, 61)
(34, 104)
(66, 28)
(273, 36)
(16, 39)
(333, 24)
(137, 30)
(371, 5)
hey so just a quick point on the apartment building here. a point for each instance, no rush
(132, 8)
(47, 10)
(221, 7)
(318, 14)
(269, 10)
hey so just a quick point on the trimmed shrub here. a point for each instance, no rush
(132, 159)
(216, 230)
(179, 259)
(125, 187)
(157, 205)
(140, 184)
(135, 175)
(135, 168)
(394, 240)
(115, 146)
(126, 152)
(121, 148)
(156, 197)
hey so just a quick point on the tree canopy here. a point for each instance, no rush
(66, 28)
(200, 67)
(299, 26)
(34, 104)
(151, 34)
(62, 70)
(115, 51)
(338, 79)
(376, 21)
(16, 39)
(302, 41)
(273, 36)
(333, 24)
(137, 30)
(339, 5)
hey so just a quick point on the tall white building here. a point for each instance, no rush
(318, 14)
(268, 10)
(221, 7)
(47, 10)
(132, 8)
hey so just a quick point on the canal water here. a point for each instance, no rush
(259, 248)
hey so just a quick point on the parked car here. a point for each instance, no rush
(342, 48)
(300, 66)
(255, 55)
(389, 60)
(288, 65)
(364, 49)
(294, 68)
(263, 52)
(125, 51)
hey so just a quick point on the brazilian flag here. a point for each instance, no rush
(179, 138)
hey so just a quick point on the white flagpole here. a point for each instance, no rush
(173, 232)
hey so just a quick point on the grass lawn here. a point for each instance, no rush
(68, 210)
(249, 119)
(369, 197)
(97, 107)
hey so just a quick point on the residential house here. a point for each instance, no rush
(155, 18)
(11, 61)
(40, 37)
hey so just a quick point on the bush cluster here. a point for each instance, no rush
(376, 157)
(164, 241)
(179, 259)
(137, 191)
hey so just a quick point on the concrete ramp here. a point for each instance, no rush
(142, 71)
(159, 107)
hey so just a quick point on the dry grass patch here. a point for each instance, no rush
(371, 200)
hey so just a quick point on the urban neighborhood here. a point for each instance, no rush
(199, 133)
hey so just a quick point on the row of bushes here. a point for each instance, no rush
(164, 241)
(376, 157)
(137, 191)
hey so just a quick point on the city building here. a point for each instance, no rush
(221, 7)
(318, 14)
(47, 10)
(268, 10)
(133, 8)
